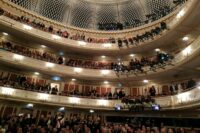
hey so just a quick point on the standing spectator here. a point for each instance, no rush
(152, 91)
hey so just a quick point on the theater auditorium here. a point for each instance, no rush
(99, 66)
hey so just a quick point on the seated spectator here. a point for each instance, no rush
(191, 83)
(54, 90)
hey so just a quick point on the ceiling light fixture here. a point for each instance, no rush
(91, 111)
(131, 55)
(73, 79)
(146, 81)
(185, 38)
(103, 56)
(105, 82)
(36, 73)
(4, 33)
(157, 49)
(43, 46)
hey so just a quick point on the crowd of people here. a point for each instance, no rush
(21, 82)
(60, 123)
(176, 88)
(50, 57)
(81, 36)
(134, 65)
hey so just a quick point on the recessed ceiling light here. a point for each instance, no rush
(61, 53)
(36, 73)
(91, 111)
(185, 38)
(131, 55)
(103, 56)
(43, 46)
(4, 33)
(56, 78)
(30, 105)
(157, 50)
(73, 79)
(61, 109)
(146, 81)
(105, 82)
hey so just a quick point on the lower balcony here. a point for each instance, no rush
(179, 101)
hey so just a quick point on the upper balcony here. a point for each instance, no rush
(102, 39)
(180, 58)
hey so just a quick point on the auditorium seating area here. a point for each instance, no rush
(108, 66)
(136, 65)
(29, 83)
(60, 123)
(134, 40)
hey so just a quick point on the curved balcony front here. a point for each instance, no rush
(172, 21)
(181, 58)
(179, 101)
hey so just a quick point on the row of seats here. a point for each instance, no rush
(60, 123)
(134, 65)
(124, 41)
(22, 82)
(42, 85)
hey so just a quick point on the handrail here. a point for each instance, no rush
(179, 59)
(182, 100)
(92, 46)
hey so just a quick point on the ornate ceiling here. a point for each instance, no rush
(88, 13)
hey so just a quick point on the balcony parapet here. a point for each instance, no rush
(170, 19)
(180, 58)
(182, 100)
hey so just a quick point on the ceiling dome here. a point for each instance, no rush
(89, 13)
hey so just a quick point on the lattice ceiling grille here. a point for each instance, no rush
(28, 4)
(81, 15)
(53, 9)
(107, 14)
(131, 11)
(153, 6)
(84, 14)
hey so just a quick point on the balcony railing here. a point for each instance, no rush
(180, 58)
(170, 19)
(182, 100)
